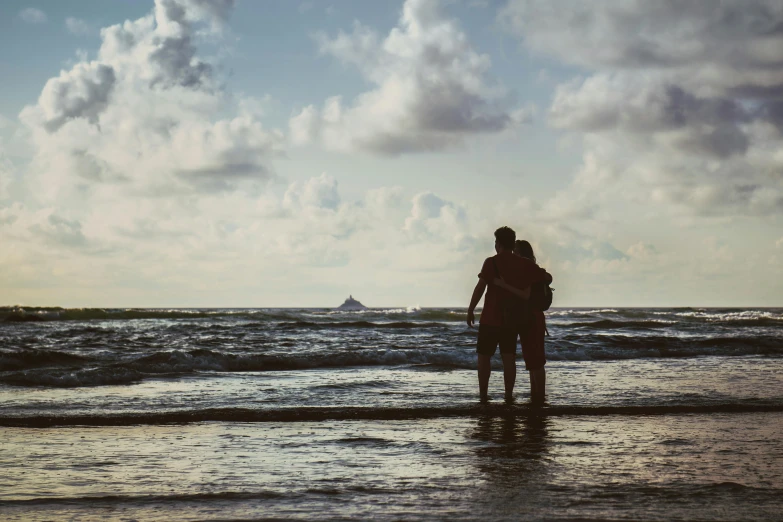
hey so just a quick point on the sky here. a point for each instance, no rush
(220, 153)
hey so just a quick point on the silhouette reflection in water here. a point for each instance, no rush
(510, 452)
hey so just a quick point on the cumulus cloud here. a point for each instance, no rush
(142, 160)
(431, 89)
(140, 157)
(433, 219)
(316, 193)
(32, 15)
(691, 91)
(383, 201)
(82, 92)
(428, 210)
(143, 113)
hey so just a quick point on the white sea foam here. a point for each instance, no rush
(744, 315)
(571, 311)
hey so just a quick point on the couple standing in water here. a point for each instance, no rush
(508, 277)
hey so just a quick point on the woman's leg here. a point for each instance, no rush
(509, 373)
(537, 360)
(538, 385)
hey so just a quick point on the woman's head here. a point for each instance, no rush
(524, 249)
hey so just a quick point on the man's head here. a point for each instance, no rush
(504, 239)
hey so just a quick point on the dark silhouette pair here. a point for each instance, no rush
(508, 276)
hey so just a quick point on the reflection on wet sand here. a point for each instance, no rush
(511, 447)
(511, 456)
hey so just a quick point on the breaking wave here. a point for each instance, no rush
(179, 362)
(35, 314)
(38, 314)
(60, 369)
(22, 359)
(76, 378)
(609, 324)
(356, 324)
(605, 317)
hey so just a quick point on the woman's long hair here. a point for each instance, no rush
(524, 249)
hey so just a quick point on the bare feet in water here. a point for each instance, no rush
(537, 402)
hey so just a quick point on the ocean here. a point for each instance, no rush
(217, 414)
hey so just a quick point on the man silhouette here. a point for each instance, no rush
(492, 333)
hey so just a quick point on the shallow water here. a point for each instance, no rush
(673, 467)
(742, 384)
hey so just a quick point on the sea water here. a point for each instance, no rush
(260, 413)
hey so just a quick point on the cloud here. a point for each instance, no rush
(144, 115)
(642, 250)
(384, 200)
(146, 167)
(317, 193)
(703, 40)
(140, 158)
(433, 219)
(6, 173)
(431, 89)
(61, 230)
(642, 105)
(32, 15)
(82, 92)
(77, 26)
(681, 102)
(564, 243)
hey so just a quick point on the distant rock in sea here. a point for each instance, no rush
(351, 304)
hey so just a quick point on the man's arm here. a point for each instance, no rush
(474, 300)
(524, 294)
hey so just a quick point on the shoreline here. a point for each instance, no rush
(326, 414)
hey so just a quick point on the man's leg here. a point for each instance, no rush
(509, 373)
(484, 370)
